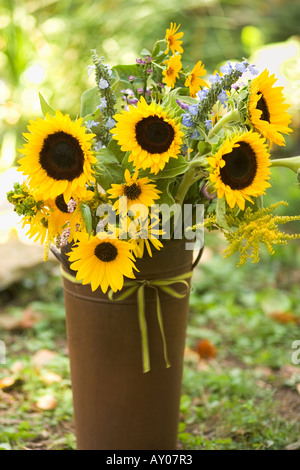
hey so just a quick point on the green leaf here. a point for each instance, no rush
(115, 148)
(221, 213)
(176, 166)
(124, 71)
(108, 169)
(145, 52)
(87, 216)
(89, 101)
(166, 196)
(204, 147)
(45, 107)
(129, 166)
(156, 49)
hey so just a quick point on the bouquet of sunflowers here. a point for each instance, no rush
(152, 138)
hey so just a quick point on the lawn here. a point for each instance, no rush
(241, 389)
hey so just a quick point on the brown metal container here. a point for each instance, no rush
(116, 405)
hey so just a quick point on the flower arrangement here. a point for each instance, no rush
(154, 136)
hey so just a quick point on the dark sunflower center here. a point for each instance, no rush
(61, 204)
(132, 191)
(154, 134)
(262, 106)
(62, 157)
(241, 166)
(106, 252)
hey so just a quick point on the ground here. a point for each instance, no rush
(241, 389)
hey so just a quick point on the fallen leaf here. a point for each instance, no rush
(7, 382)
(17, 367)
(51, 377)
(190, 355)
(288, 371)
(29, 318)
(205, 349)
(43, 356)
(10, 382)
(285, 317)
(9, 323)
(298, 388)
(46, 402)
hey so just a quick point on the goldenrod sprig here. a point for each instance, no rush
(255, 228)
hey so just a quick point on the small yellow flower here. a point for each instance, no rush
(171, 73)
(143, 233)
(172, 38)
(137, 190)
(194, 80)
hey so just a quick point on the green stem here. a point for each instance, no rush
(233, 115)
(293, 163)
(187, 181)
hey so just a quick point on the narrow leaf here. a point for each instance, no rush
(89, 101)
(87, 216)
(45, 107)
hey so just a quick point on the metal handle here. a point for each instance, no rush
(198, 257)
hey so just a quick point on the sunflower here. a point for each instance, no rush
(62, 216)
(193, 81)
(174, 66)
(172, 38)
(267, 111)
(38, 226)
(58, 156)
(143, 231)
(137, 190)
(102, 261)
(151, 136)
(240, 168)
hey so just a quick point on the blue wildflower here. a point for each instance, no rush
(187, 120)
(110, 123)
(91, 123)
(223, 97)
(98, 146)
(103, 104)
(253, 70)
(226, 68)
(103, 83)
(90, 69)
(195, 134)
(202, 93)
(208, 124)
(193, 109)
(214, 78)
(241, 67)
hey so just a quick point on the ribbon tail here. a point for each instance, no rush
(161, 327)
(143, 329)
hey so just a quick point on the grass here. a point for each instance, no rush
(246, 397)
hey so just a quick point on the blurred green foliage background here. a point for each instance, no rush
(45, 45)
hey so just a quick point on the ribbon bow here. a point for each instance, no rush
(139, 286)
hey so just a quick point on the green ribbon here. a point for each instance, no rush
(139, 286)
